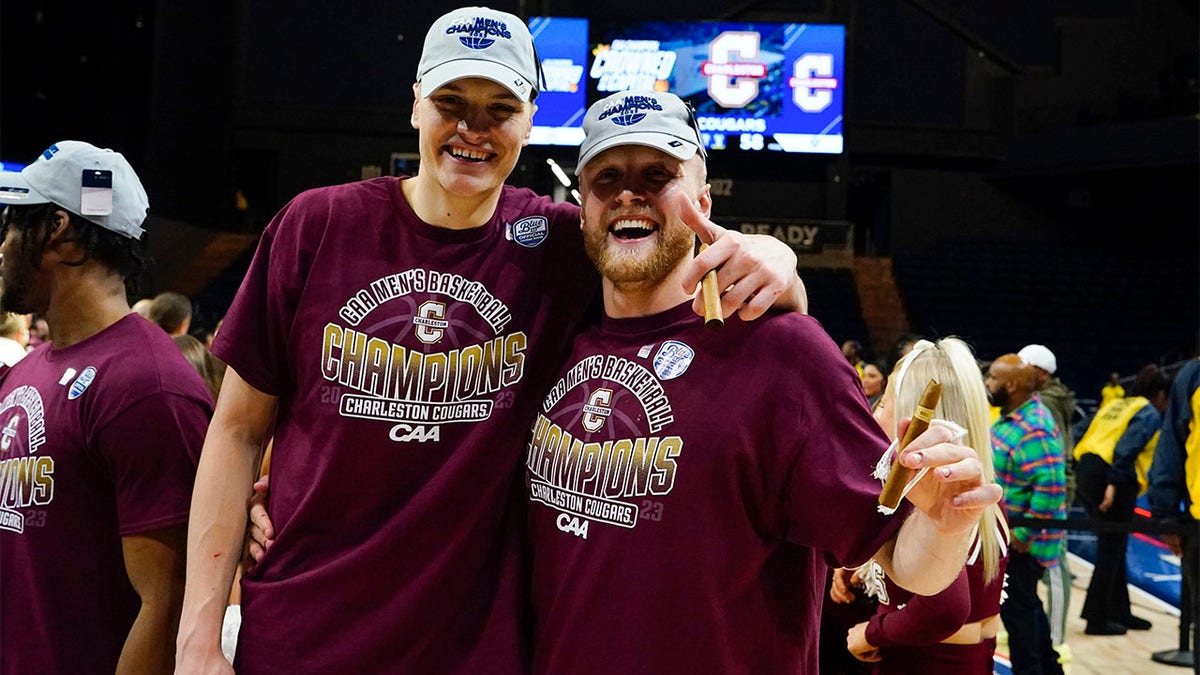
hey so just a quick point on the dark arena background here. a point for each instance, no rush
(1008, 173)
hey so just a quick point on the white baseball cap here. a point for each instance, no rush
(1039, 356)
(479, 42)
(655, 119)
(57, 178)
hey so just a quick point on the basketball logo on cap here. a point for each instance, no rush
(630, 110)
(479, 33)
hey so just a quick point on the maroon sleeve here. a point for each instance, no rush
(833, 445)
(925, 620)
(151, 449)
(253, 339)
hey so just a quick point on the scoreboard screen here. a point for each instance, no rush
(754, 86)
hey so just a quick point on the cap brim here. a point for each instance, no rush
(441, 75)
(674, 146)
(14, 189)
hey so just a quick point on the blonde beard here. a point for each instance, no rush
(675, 245)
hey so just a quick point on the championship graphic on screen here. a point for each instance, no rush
(754, 86)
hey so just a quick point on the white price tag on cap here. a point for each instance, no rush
(97, 192)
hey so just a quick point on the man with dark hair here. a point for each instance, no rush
(1029, 466)
(172, 312)
(103, 426)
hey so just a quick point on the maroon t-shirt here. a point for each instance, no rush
(98, 441)
(687, 488)
(408, 361)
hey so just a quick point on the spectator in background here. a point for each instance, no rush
(172, 312)
(14, 337)
(1112, 390)
(900, 347)
(1114, 456)
(210, 334)
(39, 331)
(1061, 402)
(142, 307)
(873, 382)
(1174, 484)
(211, 368)
(100, 455)
(853, 351)
(1029, 466)
(955, 630)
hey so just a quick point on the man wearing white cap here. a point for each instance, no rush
(392, 336)
(1061, 402)
(681, 523)
(102, 428)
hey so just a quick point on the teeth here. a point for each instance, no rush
(468, 154)
(632, 224)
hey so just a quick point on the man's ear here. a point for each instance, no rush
(60, 222)
(415, 120)
(705, 199)
(529, 128)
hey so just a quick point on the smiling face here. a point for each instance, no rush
(471, 134)
(625, 231)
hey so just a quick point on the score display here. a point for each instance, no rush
(754, 86)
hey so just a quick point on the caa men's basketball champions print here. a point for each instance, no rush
(460, 374)
(26, 478)
(601, 451)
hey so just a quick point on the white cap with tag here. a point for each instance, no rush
(97, 184)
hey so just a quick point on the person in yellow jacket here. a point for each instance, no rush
(1111, 391)
(1111, 463)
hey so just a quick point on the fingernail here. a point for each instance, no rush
(945, 472)
(917, 457)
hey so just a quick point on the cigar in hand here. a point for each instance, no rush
(712, 297)
(899, 476)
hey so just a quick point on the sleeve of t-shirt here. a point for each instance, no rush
(254, 334)
(824, 422)
(925, 620)
(151, 450)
